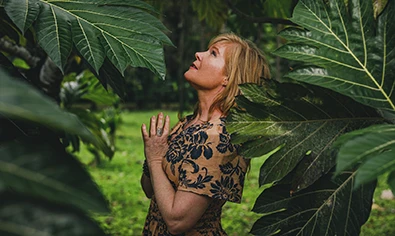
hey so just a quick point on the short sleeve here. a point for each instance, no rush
(212, 166)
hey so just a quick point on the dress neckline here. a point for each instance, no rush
(189, 118)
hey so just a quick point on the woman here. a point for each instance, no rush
(193, 170)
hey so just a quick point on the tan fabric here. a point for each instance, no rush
(201, 160)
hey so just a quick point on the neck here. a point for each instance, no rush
(205, 102)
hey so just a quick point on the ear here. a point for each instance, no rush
(225, 81)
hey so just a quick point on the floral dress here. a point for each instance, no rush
(201, 160)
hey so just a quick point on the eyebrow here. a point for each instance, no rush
(216, 49)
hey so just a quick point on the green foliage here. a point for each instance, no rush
(303, 122)
(34, 217)
(35, 170)
(277, 9)
(44, 189)
(102, 32)
(214, 12)
(344, 49)
(297, 117)
(40, 170)
(382, 215)
(86, 88)
(19, 100)
(322, 209)
(373, 147)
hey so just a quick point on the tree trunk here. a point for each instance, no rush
(180, 55)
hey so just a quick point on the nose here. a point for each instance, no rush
(198, 56)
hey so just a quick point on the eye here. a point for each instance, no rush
(213, 53)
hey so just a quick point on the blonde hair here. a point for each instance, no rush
(244, 63)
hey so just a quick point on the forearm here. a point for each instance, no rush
(179, 217)
(164, 192)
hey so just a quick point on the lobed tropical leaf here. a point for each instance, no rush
(373, 148)
(304, 121)
(24, 15)
(21, 215)
(124, 32)
(53, 34)
(329, 207)
(345, 49)
(44, 169)
(21, 101)
(109, 75)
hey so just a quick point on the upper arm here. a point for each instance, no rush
(189, 208)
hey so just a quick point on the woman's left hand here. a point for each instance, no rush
(155, 141)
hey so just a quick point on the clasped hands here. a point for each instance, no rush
(155, 141)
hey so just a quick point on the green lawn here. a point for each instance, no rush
(119, 180)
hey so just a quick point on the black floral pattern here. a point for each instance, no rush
(199, 183)
(226, 189)
(199, 144)
(224, 144)
(201, 159)
(175, 153)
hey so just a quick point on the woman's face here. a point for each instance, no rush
(207, 72)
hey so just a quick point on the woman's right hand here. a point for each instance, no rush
(155, 141)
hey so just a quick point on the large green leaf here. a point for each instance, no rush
(42, 168)
(306, 121)
(109, 75)
(345, 48)
(21, 215)
(25, 14)
(21, 101)
(124, 32)
(372, 147)
(329, 207)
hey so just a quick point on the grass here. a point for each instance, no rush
(119, 180)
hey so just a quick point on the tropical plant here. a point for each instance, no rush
(44, 189)
(86, 88)
(331, 122)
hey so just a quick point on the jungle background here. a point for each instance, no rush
(117, 119)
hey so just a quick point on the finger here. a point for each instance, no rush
(160, 120)
(153, 126)
(166, 128)
(144, 132)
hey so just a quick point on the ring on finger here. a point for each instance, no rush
(159, 131)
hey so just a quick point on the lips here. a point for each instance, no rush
(193, 66)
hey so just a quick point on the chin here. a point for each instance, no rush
(186, 77)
